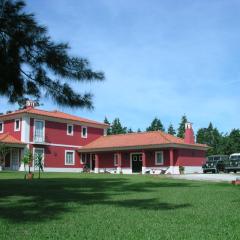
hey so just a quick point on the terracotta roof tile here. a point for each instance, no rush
(55, 114)
(136, 139)
(9, 139)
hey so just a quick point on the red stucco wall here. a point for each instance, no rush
(9, 128)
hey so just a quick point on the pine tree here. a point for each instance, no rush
(117, 127)
(33, 66)
(130, 130)
(181, 128)
(156, 125)
(109, 130)
(171, 130)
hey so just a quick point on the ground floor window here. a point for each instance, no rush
(69, 157)
(159, 158)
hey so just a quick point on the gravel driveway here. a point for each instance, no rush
(208, 177)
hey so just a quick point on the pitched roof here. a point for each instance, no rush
(6, 138)
(54, 114)
(131, 140)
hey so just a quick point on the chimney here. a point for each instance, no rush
(30, 104)
(189, 134)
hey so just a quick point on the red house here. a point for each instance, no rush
(73, 144)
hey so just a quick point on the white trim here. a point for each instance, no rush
(69, 151)
(115, 159)
(15, 125)
(70, 170)
(1, 122)
(38, 120)
(82, 127)
(70, 125)
(55, 144)
(43, 157)
(25, 130)
(156, 153)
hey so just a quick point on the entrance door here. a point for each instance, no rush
(7, 162)
(15, 159)
(38, 151)
(92, 162)
(136, 163)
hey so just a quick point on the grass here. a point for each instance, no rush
(89, 206)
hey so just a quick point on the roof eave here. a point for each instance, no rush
(143, 147)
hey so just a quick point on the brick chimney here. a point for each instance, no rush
(189, 134)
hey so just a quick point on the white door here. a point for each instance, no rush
(38, 151)
(15, 159)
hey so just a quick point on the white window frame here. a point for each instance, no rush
(15, 125)
(85, 158)
(115, 159)
(1, 122)
(156, 154)
(82, 132)
(38, 120)
(69, 151)
(70, 134)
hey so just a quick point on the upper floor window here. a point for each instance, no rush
(69, 157)
(39, 135)
(17, 125)
(84, 132)
(1, 127)
(115, 159)
(159, 158)
(70, 129)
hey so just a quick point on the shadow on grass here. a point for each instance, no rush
(45, 199)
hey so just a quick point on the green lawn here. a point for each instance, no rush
(89, 206)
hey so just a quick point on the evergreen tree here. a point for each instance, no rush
(232, 143)
(156, 125)
(33, 66)
(109, 130)
(139, 130)
(129, 130)
(181, 128)
(117, 127)
(212, 138)
(171, 130)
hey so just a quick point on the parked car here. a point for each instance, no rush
(215, 163)
(233, 165)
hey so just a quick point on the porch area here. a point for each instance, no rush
(11, 152)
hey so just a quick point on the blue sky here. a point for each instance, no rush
(161, 58)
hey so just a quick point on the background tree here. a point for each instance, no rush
(116, 127)
(213, 138)
(32, 65)
(171, 130)
(139, 130)
(156, 125)
(130, 130)
(232, 142)
(181, 128)
(109, 130)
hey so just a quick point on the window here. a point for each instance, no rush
(83, 158)
(84, 132)
(159, 158)
(39, 131)
(69, 157)
(1, 127)
(70, 129)
(115, 158)
(17, 125)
